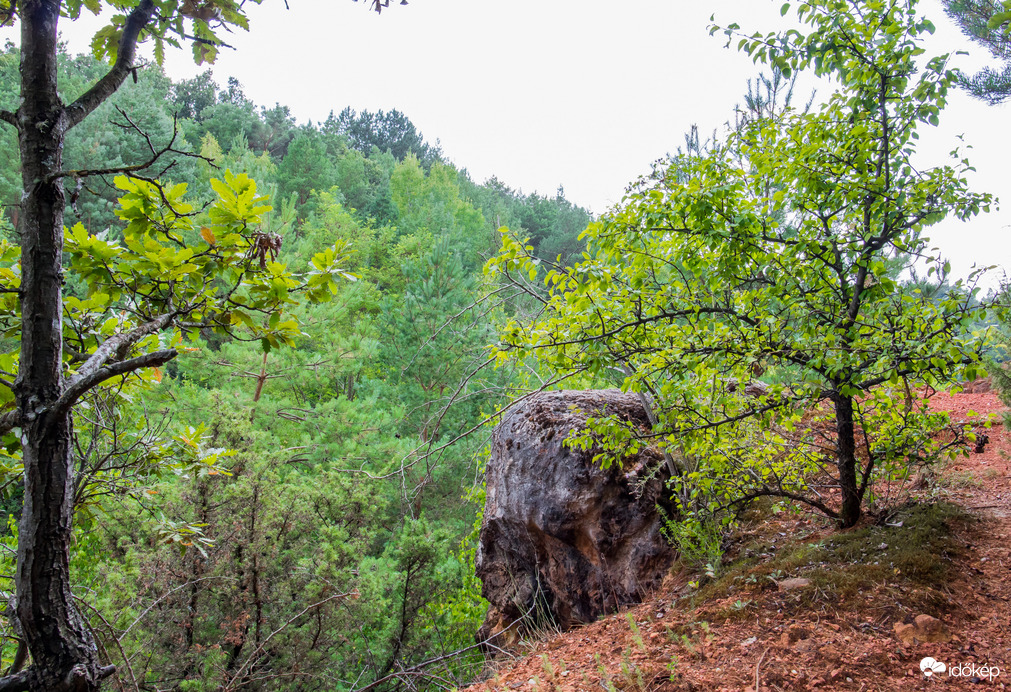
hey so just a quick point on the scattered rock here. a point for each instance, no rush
(980, 386)
(793, 635)
(925, 628)
(562, 540)
(793, 583)
(754, 389)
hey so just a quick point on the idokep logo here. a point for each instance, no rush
(931, 667)
(973, 671)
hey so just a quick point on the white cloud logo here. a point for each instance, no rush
(929, 666)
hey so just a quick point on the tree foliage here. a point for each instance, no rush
(391, 132)
(146, 279)
(771, 252)
(228, 493)
(988, 23)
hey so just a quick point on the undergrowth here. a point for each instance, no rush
(914, 551)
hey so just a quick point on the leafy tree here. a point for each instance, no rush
(117, 135)
(770, 252)
(228, 121)
(553, 225)
(432, 203)
(988, 23)
(191, 96)
(172, 273)
(393, 132)
(305, 168)
(276, 131)
(57, 366)
(265, 130)
(365, 183)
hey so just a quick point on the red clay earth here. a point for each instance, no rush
(774, 639)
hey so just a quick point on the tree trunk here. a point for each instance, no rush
(64, 656)
(846, 462)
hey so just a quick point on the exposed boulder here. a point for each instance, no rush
(563, 540)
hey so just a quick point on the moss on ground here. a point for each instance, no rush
(914, 552)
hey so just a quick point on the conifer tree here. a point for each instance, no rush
(987, 23)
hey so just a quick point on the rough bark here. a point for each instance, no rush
(63, 650)
(846, 462)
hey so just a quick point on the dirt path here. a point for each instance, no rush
(759, 636)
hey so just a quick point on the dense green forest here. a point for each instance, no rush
(291, 518)
(279, 347)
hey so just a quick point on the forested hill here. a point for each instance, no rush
(358, 158)
(258, 517)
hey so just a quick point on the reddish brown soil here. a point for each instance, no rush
(785, 641)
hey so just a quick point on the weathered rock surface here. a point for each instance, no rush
(924, 628)
(563, 540)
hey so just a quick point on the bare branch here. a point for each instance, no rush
(116, 345)
(9, 420)
(21, 682)
(107, 85)
(258, 652)
(776, 492)
(166, 595)
(416, 669)
(112, 635)
(155, 155)
(81, 385)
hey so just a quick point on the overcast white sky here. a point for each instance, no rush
(580, 93)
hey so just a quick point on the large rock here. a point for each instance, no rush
(563, 540)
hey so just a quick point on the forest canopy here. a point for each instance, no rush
(269, 502)
(249, 365)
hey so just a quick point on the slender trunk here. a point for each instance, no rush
(63, 650)
(192, 610)
(846, 461)
(255, 576)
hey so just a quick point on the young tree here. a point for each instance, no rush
(773, 251)
(50, 378)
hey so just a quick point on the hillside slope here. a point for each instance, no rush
(798, 606)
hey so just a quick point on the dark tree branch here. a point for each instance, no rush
(418, 668)
(22, 682)
(107, 85)
(132, 171)
(9, 118)
(775, 492)
(8, 421)
(16, 683)
(116, 345)
(81, 385)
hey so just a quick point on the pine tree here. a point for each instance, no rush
(986, 22)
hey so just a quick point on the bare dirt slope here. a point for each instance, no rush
(837, 629)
